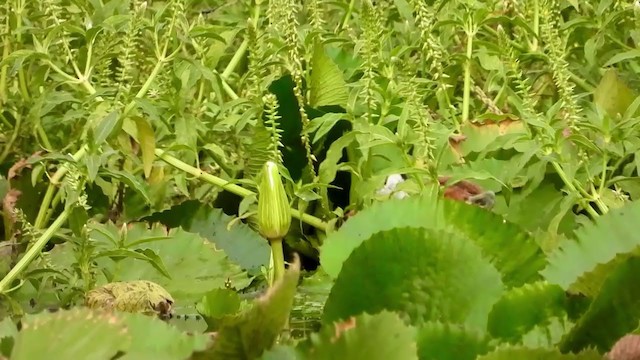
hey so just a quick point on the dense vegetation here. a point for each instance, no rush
(164, 159)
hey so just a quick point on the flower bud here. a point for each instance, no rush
(274, 213)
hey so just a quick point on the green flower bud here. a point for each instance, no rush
(274, 213)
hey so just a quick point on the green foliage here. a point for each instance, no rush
(243, 246)
(611, 236)
(250, 333)
(514, 253)
(424, 274)
(88, 335)
(113, 113)
(380, 336)
(521, 309)
(440, 341)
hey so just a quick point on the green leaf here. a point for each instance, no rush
(147, 140)
(379, 336)
(18, 57)
(612, 314)
(74, 334)
(93, 163)
(109, 125)
(128, 179)
(612, 94)
(216, 305)
(442, 341)
(329, 167)
(521, 309)
(425, 274)
(243, 245)
(327, 85)
(195, 265)
(627, 55)
(155, 339)
(513, 252)
(598, 242)
(523, 353)
(257, 329)
(323, 124)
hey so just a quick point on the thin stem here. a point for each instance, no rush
(466, 95)
(574, 189)
(14, 136)
(233, 188)
(34, 251)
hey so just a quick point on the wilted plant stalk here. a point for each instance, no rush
(274, 213)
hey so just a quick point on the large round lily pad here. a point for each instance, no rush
(424, 274)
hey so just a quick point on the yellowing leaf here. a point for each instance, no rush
(612, 94)
(147, 141)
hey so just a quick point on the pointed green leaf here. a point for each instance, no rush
(327, 85)
(147, 141)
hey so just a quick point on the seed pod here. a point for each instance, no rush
(274, 213)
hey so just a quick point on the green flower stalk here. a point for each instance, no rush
(274, 213)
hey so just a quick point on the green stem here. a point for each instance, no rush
(536, 24)
(466, 96)
(14, 136)
(32, 253)
(55, 180)
(233, 188)
(574, 189)
(278, 258)
(235, 60)
(347, 15)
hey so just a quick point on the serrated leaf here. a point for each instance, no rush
(513, 252)
(243, 245)
(424, 274)
(443, 341)
(599, 242)
(147, 140)
(327, 85)
(380, 336)
(521, 309)
(155, 339)
(79, 333)
(612, 314)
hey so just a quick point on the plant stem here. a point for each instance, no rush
(466, 95)
(55, 180)
(34, 251)
(278, 258)
(574, 189)
(233, 188)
